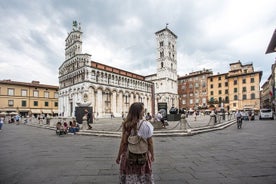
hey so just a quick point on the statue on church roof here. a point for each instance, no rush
(76, 25)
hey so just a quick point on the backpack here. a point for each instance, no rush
(137, 149)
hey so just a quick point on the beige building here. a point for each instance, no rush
(244, 86)
(237, 89)
(28, 98)
(218, 91)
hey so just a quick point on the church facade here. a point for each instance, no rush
(109, 90)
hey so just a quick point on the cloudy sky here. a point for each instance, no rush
(120, 33)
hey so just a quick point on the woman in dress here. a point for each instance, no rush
(134, 122)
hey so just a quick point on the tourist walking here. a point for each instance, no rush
(1, 122)
(136, 172)
(89, 118)
(239, 119)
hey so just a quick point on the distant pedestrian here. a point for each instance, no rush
(195, 115)
(148, 117)
(89, 118)
(123, 116)
(159, 117)
(239, 119)
(17, 118)
(1, 122)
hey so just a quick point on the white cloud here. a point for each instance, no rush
(211, 34)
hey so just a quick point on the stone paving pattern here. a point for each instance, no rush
(34, 155)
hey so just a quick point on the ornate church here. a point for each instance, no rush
(109, 90)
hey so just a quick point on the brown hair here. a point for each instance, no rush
(135, 113)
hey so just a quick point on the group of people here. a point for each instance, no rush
(62, 129)
(158, 117)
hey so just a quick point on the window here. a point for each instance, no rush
(35, 103)
(226, 99)
(10, 91)
(235, 90)
(191, 101)
(211, 79)
(191, 86)
(212, 93)
(252, 80)
(252, 88)
(10, 103)
(196, 85)
(252, 95)
(243, 89)
(162, 54)
(23, 92)
(226, 91)
(23, 103)
(235, 82)
(244, 97)
(219, 92)
(219, 85)
(56, 104)
(244, 81)
(46, 104)
(46, 94)
(35, 93)
(161, 43)
(56, 95)
(211, 86)
(220, 99)
(236, 97)
(203, 84)
(226, 83)
(219, 78)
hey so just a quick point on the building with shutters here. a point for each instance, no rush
(28, 98)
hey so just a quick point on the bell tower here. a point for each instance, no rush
(73, 42)
(166, 61)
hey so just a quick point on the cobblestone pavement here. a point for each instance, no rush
(31, 155)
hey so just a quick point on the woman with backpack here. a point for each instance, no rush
(139, 170)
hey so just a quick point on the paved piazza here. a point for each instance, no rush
(31, 155)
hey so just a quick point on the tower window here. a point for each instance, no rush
(161, 44)
(162, 64)
(162, 54)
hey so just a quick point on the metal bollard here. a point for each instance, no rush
(213, 119)
(183, 122)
